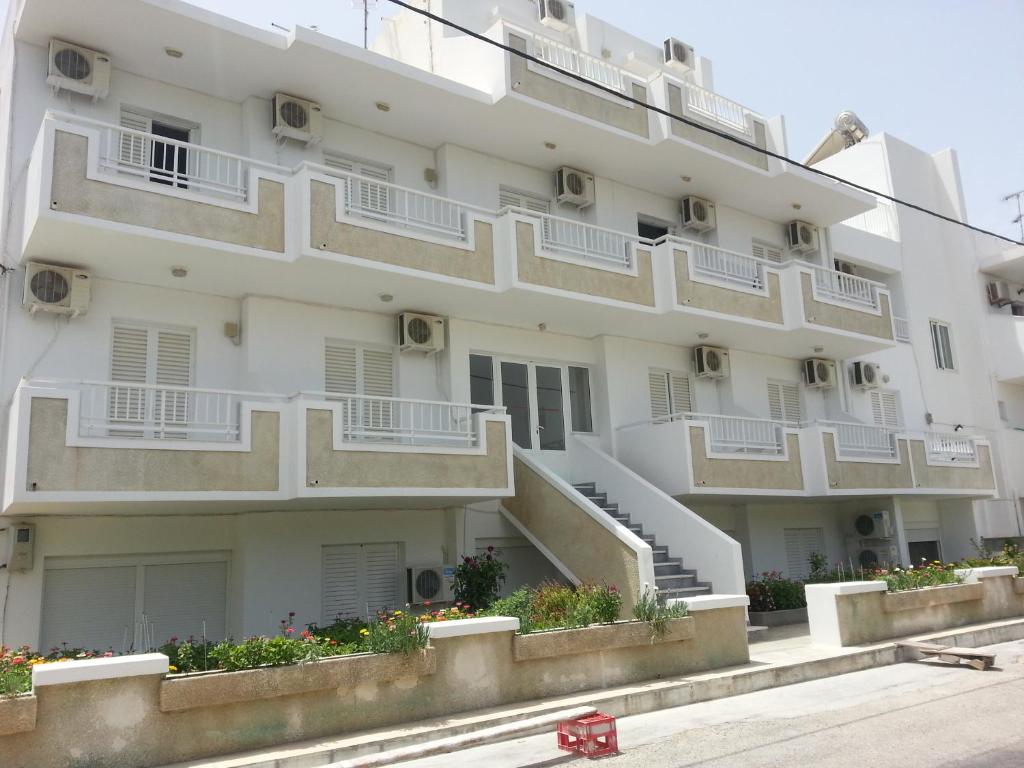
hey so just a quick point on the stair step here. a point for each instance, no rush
(624, 519)
(670, 568)
(661, 555)
(585, 488)
(635, 528)
(600, 499)
(684, 592)
(611, 508)
(675, 581)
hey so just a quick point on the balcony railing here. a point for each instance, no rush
(401, 421)
(573, 60)
(948, 448)
(863, 441)
(731, 434)
(717, 109)
(880, 220)
(847, 289)
(727, 268)
(604, 247)
(901, 327)
(405, 208)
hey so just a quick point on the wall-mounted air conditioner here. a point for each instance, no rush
(801, 236)
(298, 119)
(678, 54)
(61, 290)
(866, 375)
(819, 373)
(420, 333)
(999, 294)
(711, 362)
(78, 69)
(872, 553)
(873, 525)
(574, 187)
(557, 14)
(435, 584)
(698, 213)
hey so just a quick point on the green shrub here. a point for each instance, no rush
(553, 605)
(478, 579)
(771, 592)
(519, 605)
(344, 632)
(933, 574)
(395, 632)
(648, 609)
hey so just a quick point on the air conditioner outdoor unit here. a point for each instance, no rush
(573, 187)
(78, 69)
(298, 119)
(819, 373)
(557, 14)
(62, 290)
(420, 333)
(698, 213)
(873, 525)
(999, 294)
(801, 236)
(872, 553)
(866, 375)
(678, 54)
(711, 362)
(435, 584)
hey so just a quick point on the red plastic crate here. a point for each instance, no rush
(594, 735)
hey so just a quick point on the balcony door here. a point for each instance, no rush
(535, 398)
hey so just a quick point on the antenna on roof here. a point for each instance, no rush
(366, 5)
(1020, 209)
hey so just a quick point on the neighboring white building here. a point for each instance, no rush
(324, 291)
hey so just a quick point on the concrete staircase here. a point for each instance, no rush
(672, 580)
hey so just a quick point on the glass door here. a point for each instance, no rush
(534, 396)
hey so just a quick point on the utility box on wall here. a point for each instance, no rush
(22, 547)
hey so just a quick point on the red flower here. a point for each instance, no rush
(291, 614)
(290, 631)
(490, 548)
(426, 603)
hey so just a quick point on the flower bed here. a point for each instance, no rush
(600, 637)
(17, 714)
(915, 598)
(775, 600)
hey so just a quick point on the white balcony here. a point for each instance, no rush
(853, 291)
(950, 448)
(716, 109)
(741, 434)
(576, 61)
(727, 268)
(588, 243)
(863, 441)
(880, 220)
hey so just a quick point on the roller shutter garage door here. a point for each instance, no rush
(131, 605)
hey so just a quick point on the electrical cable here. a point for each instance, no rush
(699, 126)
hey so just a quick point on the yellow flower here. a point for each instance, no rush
(364, 631)
(398, 613)
(172, 668)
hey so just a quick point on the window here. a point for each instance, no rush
(942, 346)
(762, 250)
(352, 370)
(784, 401)
(800, 544)
(481, 380)
(885, 408)
(370, 193)
(579, 399)
(359, 580)
(161, 161)
(144, 354)
(670, 393)
(515, 396)
(511, 198)
(652, 228)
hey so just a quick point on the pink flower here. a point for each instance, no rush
(108, 654)
(290, 631)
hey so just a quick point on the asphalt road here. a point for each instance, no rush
(914, 715)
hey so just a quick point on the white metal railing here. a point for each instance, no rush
(880, 220)
(738, 434)
(576, 61)
(717, 108)
(846, 289)
(901, 327)
(860, 441)
(587, 242)
(403, 207)
(728, 267)
(949, 448)
(403, 421)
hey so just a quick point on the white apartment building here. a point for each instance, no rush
(291, 326)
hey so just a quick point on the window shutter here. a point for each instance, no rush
(784, 401)
(90, 608)
(885, 408)
(134, 150)
(129, 362)
(509, 198)
(378, 373)
(340, 596)
(340, 369)
(681, 397)
(657, 383)
(173, 369)
(381, 575)
(767, 252)
(184, 599)
(801, 543)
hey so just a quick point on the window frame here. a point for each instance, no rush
(938, 354)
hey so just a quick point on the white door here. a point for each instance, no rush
(535, 396)
(359, 580)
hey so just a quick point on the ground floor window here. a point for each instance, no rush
(924, 550)
(801, 543)
(359, 580)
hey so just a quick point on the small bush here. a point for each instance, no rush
(648, 609)
(478, 579)
(395, 632)
(933, 574)
(560, 606)
(771, 592)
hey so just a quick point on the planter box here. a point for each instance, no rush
(600, 637)
(1018, 585)
(17, 714)
(917, 599)
(778, 618)
(212, 689)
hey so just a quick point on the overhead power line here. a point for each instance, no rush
(699, 126)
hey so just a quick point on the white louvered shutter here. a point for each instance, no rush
(340, 373)
(378, 380)
(767, 252)
(510, 198)
(368, 196)
(784, 401)
(657, 383)
(173, 369)
(670, 393)
(91, 608)
(380, 570)
(134, 149)
(885, 408)
(801, 543)
(182, 599)
(680, 394)
(340, 592)
(129, 362)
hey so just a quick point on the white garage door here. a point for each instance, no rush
(131, 605)
(359, 580)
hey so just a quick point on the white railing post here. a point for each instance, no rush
(587, 242)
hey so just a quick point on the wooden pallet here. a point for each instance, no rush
(979, 660)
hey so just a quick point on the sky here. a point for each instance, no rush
(935, 73)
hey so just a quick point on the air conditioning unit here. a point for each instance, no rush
(573, 187)
(420, 333)
(298, 119)
(866, 375)
(678, 54)
(999, 294)
(698, 214)
(873, 525)
(819, 373)
(711, 362)
(78, 69)
(435, 584)
(63, 290)
(557, 14)
(801, 236)
(872, 553)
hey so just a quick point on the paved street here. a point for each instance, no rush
(916, 715)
